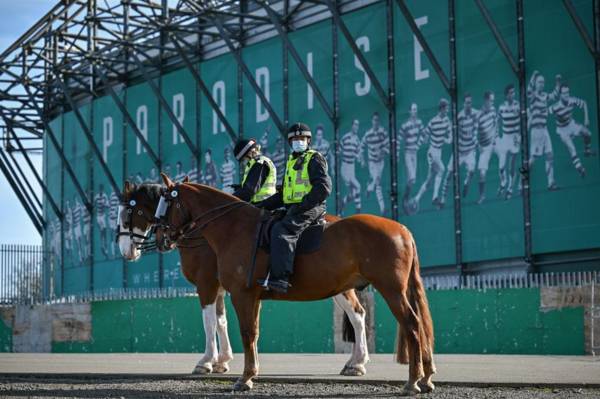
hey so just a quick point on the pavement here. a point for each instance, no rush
(473, 370)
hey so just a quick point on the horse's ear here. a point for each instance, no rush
(186, 179)
(168, 182)
(127, 188)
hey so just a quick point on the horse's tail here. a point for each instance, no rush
(418, 301)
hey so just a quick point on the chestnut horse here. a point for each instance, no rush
(355, 251)
(199, 266)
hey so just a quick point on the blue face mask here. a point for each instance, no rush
(299, 145)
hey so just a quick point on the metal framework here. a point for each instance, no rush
(83, 49)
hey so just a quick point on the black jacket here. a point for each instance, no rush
(321, 187)
(256, 178)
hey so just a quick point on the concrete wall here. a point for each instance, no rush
(524, 321)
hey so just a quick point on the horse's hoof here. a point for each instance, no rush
(203, 369)
(426, 387)
(410, 390)
(220, 368)
(241, 386)
(354, 371)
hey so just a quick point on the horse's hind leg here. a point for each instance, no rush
(404, 313)
(225, 352)
(247, 308)
(349, 303)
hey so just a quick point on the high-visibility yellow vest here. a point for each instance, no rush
(296, 183)
(268, 188)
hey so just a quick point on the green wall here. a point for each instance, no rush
(506, 321)
(6, 333)
(563, 220)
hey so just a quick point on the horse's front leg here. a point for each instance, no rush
(247, 307)
(207, 294)
(225, 352)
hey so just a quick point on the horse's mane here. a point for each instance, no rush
(151, 191)
(212, 190)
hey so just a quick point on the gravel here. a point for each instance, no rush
(116, 387)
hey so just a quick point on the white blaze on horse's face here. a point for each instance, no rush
(127, 245)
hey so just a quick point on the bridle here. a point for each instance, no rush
(177, 234)
(145, 244)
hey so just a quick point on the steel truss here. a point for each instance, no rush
(83, 49)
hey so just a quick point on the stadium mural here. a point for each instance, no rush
(562, 131)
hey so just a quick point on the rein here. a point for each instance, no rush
(192, 226)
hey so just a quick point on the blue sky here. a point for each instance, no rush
(15, 18)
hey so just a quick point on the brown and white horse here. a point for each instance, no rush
(199, 266)
(355, 251)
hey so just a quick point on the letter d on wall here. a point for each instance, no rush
(262, 80)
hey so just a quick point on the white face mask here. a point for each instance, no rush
(299, 145)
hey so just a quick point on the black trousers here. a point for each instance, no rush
(284, 236)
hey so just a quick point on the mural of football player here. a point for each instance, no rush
(566, 127)
(101, 205)
(153, 176)
(138, 179)
(210, 175)
(113, 216)
(487, 133)
(179, 173)
(351, 151)
(193, 172)
(376, 142)
(322, 145)
(76, 227)
(278, 157)
(167, 169)
(227, 171)
(86, 228)
(541, 145)
(509, 145)
(410, 134)
(437, 133)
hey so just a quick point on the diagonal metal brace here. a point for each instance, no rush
(348, 36)
(89, 136)
(589, 43)
(203, 88)
(186, 137)
(423, 42)
(128, 117)
(238, 58)
(498, 36)
(284, 37)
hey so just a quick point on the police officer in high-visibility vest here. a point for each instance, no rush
(260, 175)
(306, 186)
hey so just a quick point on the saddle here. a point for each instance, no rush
(309, 241)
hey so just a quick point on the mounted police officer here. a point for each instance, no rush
(260, 175)
(306, 186)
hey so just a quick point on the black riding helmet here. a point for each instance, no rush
(299, 130)
(242, 147)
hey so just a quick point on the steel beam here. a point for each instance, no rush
(53, 204)
(161, 99)
(589, 43)
(391, 66)
(36, 223)
(424, 45)
(292, 50)
(337, 19)
(238, 58)
(525, 192)
(31, 192)
(128, 118)
(455, 152)
(498, 36)
(89, 136)
(200, 82)
(59, 150)
(19, 183)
